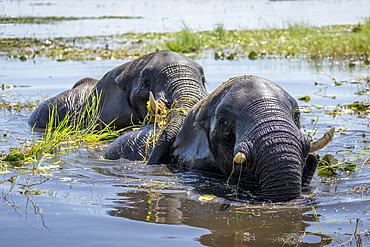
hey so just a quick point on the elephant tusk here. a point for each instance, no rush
(322, 142)
(240, 159)
(153, 104)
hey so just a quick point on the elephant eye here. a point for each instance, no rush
(145, 83)
(296, 116)
(224, 125)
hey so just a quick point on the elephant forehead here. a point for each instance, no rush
(166, 58)
(247, 92)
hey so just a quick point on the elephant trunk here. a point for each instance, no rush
(186, 88)
(276, 158)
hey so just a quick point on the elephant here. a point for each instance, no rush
(172, 78)
(247, 130)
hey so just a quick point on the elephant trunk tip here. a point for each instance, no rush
(240, 159)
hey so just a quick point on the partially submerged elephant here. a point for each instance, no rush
(172, 78)
(248, 130)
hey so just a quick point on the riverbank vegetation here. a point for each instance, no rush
(297, 40)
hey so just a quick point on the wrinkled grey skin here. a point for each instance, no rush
(253, 116)
(69, 101)
(173, 78)
(133, 145)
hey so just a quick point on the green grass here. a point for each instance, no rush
(69, 133)
(185, 41)
(298, 40)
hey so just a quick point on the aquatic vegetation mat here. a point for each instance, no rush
(16, 102)
(297, 40)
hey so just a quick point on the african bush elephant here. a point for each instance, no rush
(174, 79)
(248, 130)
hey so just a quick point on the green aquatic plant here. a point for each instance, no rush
(329, 165)
(60, 135)
(12, 101)
(158, 114)
(315, 128)
(219, 30)
(185, 41)
(298, 40)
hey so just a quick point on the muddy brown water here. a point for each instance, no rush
(94, 202)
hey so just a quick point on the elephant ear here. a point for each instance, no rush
(205, 110)
(113, 104)
(192, 145)
(193, 152)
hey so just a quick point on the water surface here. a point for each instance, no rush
(115, 202)
(165, 16)
(88, 201)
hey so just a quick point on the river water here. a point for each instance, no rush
(93, 202)
(166, 15)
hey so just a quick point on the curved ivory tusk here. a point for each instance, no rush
(322, 142)
(153, 104)
(240, 159)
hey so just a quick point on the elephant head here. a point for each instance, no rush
(123, 92)
(170, 77)
(249, 130)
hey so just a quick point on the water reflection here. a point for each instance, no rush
(230, 225)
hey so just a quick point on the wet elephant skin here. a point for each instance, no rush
(123, 92)
(249, 117)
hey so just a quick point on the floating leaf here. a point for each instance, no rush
(326, 165)
(253, 55)
(305, 110)
(33, 192)
(329, 165)
(305, 98)
(206, 197)
(3, 169)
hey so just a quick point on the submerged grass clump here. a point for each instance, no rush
(297, 40)
(69, 133)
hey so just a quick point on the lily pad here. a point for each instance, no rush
(305, 98)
